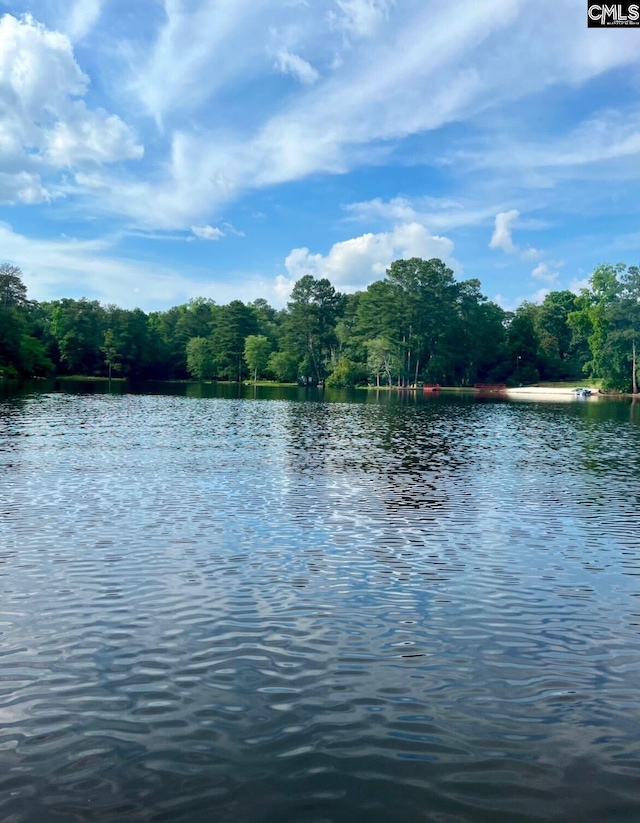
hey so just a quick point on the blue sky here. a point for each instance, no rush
(155, 151)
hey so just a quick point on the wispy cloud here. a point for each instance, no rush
(437, 213)
(91, 268)
(360, 18)
(71, 267)
(288, 63)
(83, 17)
(172, 117)
(207, 232)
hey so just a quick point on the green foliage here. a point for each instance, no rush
(608, 315)
(22, 354)
(381, 359)
(561, 354)
(417, 323)
(200, 361)
(234, 323)
(345, 374)
(257, 349)
(78, 326)
(284, 366)
(310, 326)
(13, 292)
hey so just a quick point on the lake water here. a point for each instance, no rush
(274, 607)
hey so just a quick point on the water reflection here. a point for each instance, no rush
(291, 610)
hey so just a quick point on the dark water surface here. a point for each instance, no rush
(381, 609)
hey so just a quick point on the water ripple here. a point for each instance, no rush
(268, 610)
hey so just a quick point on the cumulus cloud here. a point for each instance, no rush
(543, 272)
(288, 63)
(207, 232)
(22, 187)
(354, 263)
(46, 125)
(501, 238)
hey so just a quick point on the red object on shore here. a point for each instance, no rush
(431, 387)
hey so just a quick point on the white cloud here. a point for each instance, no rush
(439, 214)
(84, 16)
(207, 232)
(577, 285)
(531, 254)
(360, 18)
(92, 268)
(204, 49)
(201, 48)
(604, 144)
(22, 187)
(69, 267)
(329, 127)
(512, 303)
(89, 137)
(354, 263)
(46, 125)
(544, 273)
(231, 229)
(538, 296)
(451, 63)
(288, 63)
(501, 238)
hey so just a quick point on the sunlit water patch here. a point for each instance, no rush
(269, 610)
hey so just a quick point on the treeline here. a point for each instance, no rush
(416, 324)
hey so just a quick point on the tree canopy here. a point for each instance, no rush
(418, 323)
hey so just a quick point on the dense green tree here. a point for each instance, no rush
(78, 328)
(310, 326)
(284, 366)
(561, 353)
(626, 323)
(523, 345)
(13, 292)
(235, 323)
(417, 323)
(423, 297)
(608, 316)
(345, 374)
(22, 352)
(381, 359)
(378, 319)
(257, 349)
(200, 360)
(268, 321)
(475, 341)
(130, 333)
(110, 351)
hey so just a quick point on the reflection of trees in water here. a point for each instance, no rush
(405, 455)
(12, 433)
